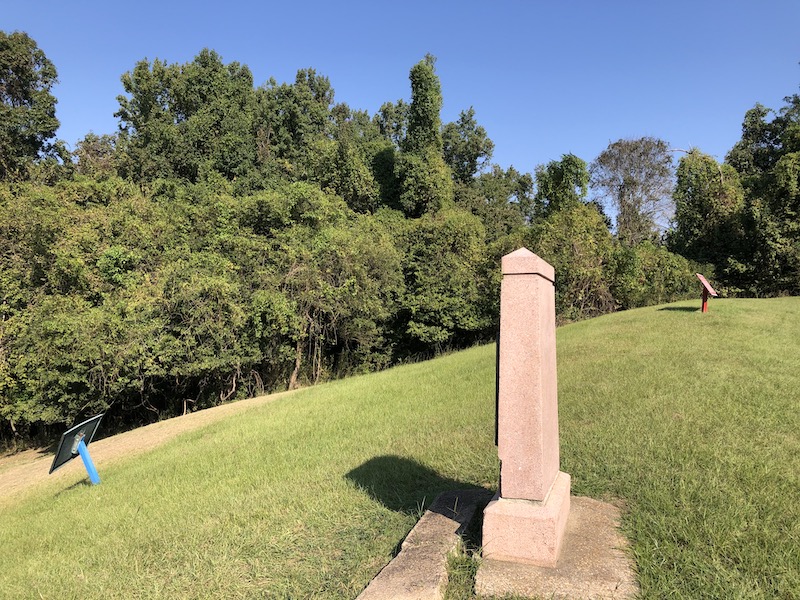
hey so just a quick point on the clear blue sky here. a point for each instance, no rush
(545, 79)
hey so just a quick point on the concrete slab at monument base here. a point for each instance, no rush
(525, 530)
(419, 572)
(592, 564)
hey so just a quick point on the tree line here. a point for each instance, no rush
(230, 239)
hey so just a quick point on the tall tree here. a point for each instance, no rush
(186, 120)
(467, 147)
(560, 184)
(709, 203)
(392, 121)
(444, 299)
(28, 120)
(96, 155)
(576, 241)
(424, 120)
(425, 181)
(340, 164)
(768, 161)
(760, 147)
(500, 199)
(635, 178)
(290, 119)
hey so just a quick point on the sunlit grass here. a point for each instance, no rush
(306, 497)
(691, 419)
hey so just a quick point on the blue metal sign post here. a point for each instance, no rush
(87, 461)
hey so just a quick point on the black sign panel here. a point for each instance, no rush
(68, 446)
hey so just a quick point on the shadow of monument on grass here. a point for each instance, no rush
(680, 308)
(406, 486)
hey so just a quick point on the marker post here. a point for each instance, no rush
(87, 460)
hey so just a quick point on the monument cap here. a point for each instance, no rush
(525, 262)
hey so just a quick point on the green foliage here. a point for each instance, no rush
(648, 274)
(28, 120)
(392, 121)
(425, 182)
(559, 185)
(500, 199)
(424, 121)
(184, 120)
(231, 240)
(68, 359)
(709, 214)
(755, 154)
(466, 146)
(341, 166)
(343, 279)
(290, 118)
(576, 241)
(96, 155)
(443, 292)
(766, 159)
(116, 265)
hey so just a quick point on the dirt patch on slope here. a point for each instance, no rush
(23, 471)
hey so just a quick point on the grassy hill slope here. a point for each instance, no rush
(692, 420)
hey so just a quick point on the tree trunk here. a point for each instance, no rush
(298, 357)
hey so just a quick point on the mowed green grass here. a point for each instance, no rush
(308, 496)
(692, 420)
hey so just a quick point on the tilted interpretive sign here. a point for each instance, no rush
(707, 291)
(74, 443)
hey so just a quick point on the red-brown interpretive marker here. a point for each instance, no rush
(707, 289)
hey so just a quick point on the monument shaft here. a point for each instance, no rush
(528, 402)
(526, 520)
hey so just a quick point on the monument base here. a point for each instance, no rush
(594, 562)
(527, 531)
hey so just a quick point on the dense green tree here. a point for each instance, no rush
(290, 118)
(96, 155)
(443, 299)
(424, 120)
(187, 120)
(756, 153)
(560, 184)
(231, 240)
(467, 148)
(766, 159)
(576, 241)
(65, 360)
(709, 205)
(648, 274)
(392, 121)
(148, 127)
(28, 120)
(635, 177)
(341, 165)
(501, 199)
(343, 277)
(425, 182)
